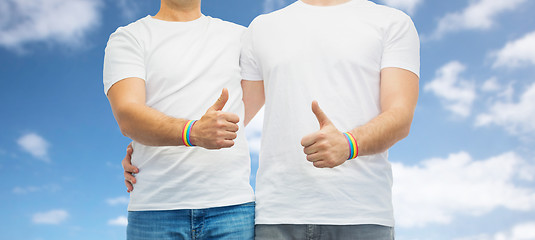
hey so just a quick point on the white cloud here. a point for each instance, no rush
(437, 190)
(515, 117)
(119, 221)
(36, 145)
(408, 6)
(116, 165)
(271, 5)
(522, 231)
(517, 53)
(456, 94)
(492, 90)
(128, 8)
(58, 21)
(491, 85)
(32, 189)
(50, 217)
(479, 15)
(117, 201)
(25, 190)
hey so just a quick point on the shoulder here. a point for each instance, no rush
(388, 14)
(385, 19)
(275, 16)
(133, 30)
(227, 26)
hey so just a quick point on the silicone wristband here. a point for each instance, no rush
(186, 133)
(353, 147)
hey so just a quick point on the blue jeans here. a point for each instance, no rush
(230, 222)
(323, 232)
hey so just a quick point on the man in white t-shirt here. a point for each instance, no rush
(160, 73)
(360, 62)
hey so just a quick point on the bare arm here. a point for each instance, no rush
(139, 122)
(216, 129)
(253, 98)
(399, 95)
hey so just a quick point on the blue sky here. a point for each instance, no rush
(466, 172)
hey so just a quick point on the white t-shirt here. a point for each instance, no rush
(185, 66)
(333, 55)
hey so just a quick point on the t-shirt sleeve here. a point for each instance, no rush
(402, 45)
(250, 69)
(123, 59)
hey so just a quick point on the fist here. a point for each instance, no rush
(216, 129)
(328, 147)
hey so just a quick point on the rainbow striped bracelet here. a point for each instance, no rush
(353, 147)
(186, 132)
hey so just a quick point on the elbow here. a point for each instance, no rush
(123, 120)
(126, 125)
(406, 123)
(123, 126)
(405, 131)
(124, 130)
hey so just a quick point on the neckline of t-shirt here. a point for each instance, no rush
(331, 6)
(192, 22)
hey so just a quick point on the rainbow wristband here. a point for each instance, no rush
(186, 132)
(353, 147)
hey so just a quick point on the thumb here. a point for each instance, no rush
(320, 115)
(221, 101)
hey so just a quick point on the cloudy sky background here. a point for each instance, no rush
(466, 172)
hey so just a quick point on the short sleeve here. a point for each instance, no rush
(250, 70)
(401, 47)
(123, 59)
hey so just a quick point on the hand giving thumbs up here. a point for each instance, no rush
(327, 147)
(216, 129)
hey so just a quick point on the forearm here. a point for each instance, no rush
(215, 129)
(149, 126)
(253, 98)
(382, 132)
(329, 147)
(399, 95)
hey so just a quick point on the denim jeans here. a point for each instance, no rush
(230, 222)
(323, 232)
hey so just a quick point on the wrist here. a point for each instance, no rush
(353, 146)
(186, 133)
